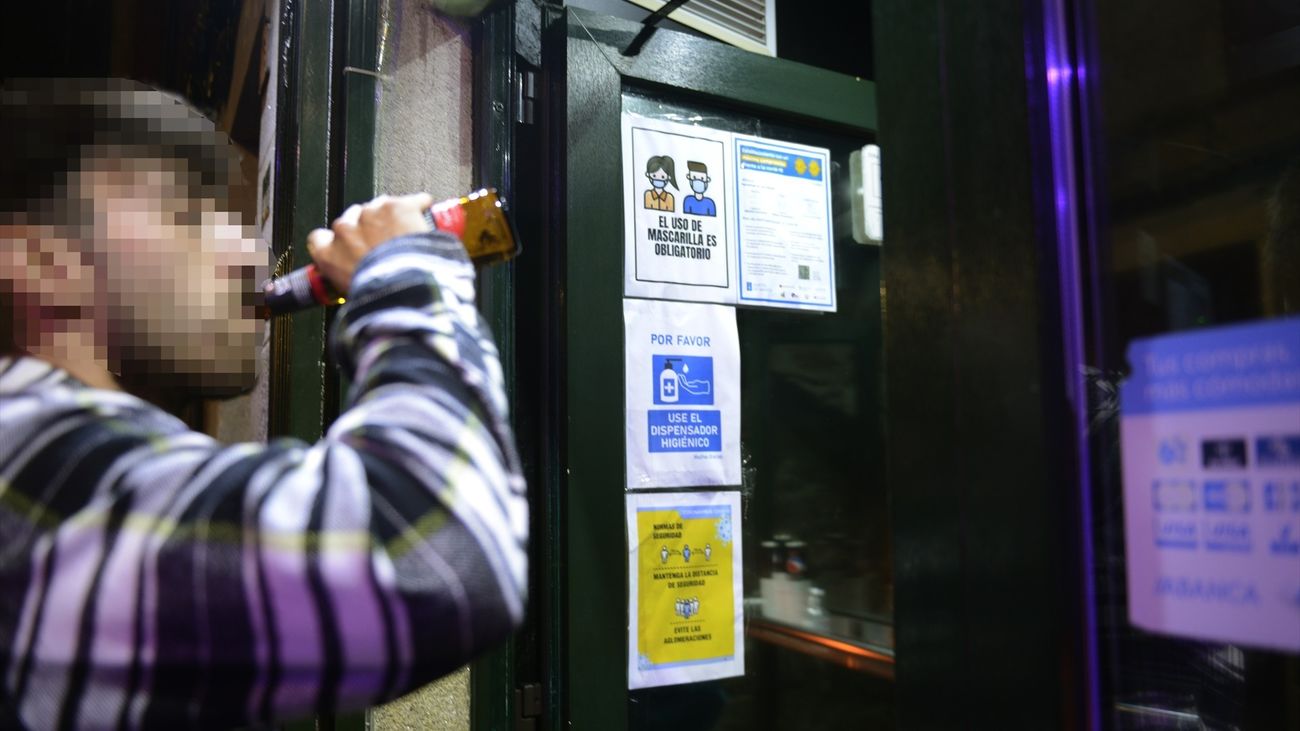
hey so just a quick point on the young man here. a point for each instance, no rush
(153, 578)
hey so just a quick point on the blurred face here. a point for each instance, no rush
(177, 282)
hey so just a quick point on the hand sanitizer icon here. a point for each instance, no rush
(668, 383)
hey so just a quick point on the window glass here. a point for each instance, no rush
(817, 564)
(1197, 114)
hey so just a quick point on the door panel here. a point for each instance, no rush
(812, 416)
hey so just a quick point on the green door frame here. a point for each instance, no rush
(325, 130)
(988, 581)
(325, 136)
(298, 381)
(587, 75)
(326, 143)
(492, 676)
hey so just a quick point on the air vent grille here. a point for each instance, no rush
(749, 24)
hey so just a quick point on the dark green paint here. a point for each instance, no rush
(981, 571)
(302, 147)
(761, 84)
(298, 385)
(492, 677)
(359, 90)
(928, 546)
(596, 631)
(549, 288)
(353, 138)
(354, 166)
(313, 173)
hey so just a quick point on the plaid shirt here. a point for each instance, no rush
(153, 578)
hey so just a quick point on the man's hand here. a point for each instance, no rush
(337, 250)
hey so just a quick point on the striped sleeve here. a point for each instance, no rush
(151, 578)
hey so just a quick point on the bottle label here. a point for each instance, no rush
(450, 218)
(319, 289)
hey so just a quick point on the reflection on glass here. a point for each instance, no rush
(1199, 226)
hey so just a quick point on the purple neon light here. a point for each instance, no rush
(1062, 77)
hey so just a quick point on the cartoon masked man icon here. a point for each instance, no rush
(697, 174)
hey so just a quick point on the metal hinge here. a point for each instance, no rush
(527, 98)
(528, 706)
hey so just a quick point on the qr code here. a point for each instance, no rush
(804, 272)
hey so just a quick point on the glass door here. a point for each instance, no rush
(1190, 207)
(816, 569)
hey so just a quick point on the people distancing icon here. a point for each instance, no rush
(687, 608)
(686, 553)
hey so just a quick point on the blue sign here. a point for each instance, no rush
(1173, 451)
(781, 162)
(1285, 544)
(1228, 535)
(1227, 496)
(1175, 533)
(1210, 438)
(682, 379)
(1281, 450)
(685, 430)
(1280, 497)
(1240, 366)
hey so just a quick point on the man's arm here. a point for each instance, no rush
(150, 577)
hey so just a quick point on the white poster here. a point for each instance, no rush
(677, 212)
(682, 369)
(784, 244)
(685, 598)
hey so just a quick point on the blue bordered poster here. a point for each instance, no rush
(784, 244)
(682, 394)
(685, 597)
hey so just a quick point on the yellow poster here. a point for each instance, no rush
(685, 609)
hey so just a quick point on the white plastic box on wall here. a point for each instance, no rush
(868, 201)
